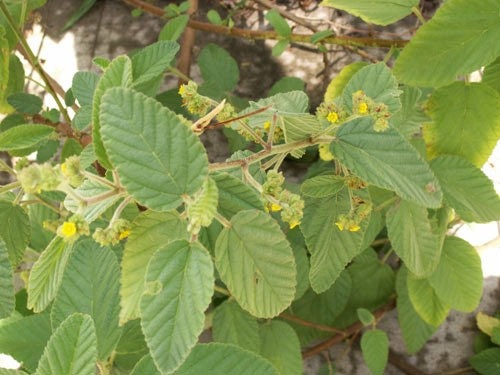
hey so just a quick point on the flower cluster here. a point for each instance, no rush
(194, 102)
(71, 171)
(203, 207)
(71, 229)
(279, 199)
(359, 212)
(36, 178)
(332, 112)
(114, 233)
(363, 105)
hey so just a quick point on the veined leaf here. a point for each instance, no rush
(387, 160)
(179, 286)
(337, 85)
(287, 84)
(157, 156)
(149, 64)
(375, 348)
(5, 107)
(47, 273)
(434, 58)
(322, 186)
(280, 346)
(217, 359)
(424, 299)
(414, 329)
(26, 103)
(24, 136)
(7, 300)
(89, 189)
(233, 325)
(378, 83)
(150, 231)
(174, 28)
(90, 286)
(491, 74)
(15, 230)
(131, 348)
(465, 121)
(331, 248)
(486, 362)
(278, 23)
(83, 87)
(25, 338)
(117, 74)
(379, 12)
(235, 196)
(412, 238)
(487, 323)
(458, 278)
(256, 263)
(145, 366)
(219, 71)
(410, 119)
(72, 349)
(467, 189)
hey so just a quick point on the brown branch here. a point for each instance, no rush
(292, 17)
(264, 34)
(351, 330)
(306, 323)
(188, 39)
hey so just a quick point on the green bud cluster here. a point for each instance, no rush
(117, 231)
(73, 228)
(360, 211)
(228, 112)
(36, 178)
(194, 102)
(363, 105)
(71, 170)
(331, 112)
(202, 209)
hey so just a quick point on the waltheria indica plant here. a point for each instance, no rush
(127, 243)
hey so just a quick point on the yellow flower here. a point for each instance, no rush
(64, 168)
(267, 125)
(182, 90)
(332, 117)
(124, 234)
(324, 152)
(68, 229)
(362, 108)
(275, 207)
(339, 225)
(354, 228)
(293, 223)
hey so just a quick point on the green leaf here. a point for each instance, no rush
(378, 83)
(25, 103)
(179, 286)
(233, 325)
(467, 189)
(214, 17)
(322, 186)
(412, 239)
(16, 75)
(235, 196)
(15, 230)
(79, 13)
(287, 84)
(218, 69)
(4, 371)
(7, 300)
(145, 366)
(434, 58)
(320, 35)
(301, 261)
(131, 348)
(47, 273)
(409, 120)
(278, 23)
(458, 278)
(150, 231)
(256, 263)
(379, 12)
(375, 349)
(117, 74)
(217, 359)
(83, 87)
(157, 156)
(331, 249)
(387, 160)
(465, 121)
(280, 47)
(337, 85)
(365, 316)
(24, 136)
(89, 189)
(149, 64)
(414, 329)
(72, 349)
(82, 118)
(174, 28)
(428, 305)
(90, 286)
(372, 286)
(280, 346)
(491, 74)
(25, 338)
(486, 362)
(487, 323)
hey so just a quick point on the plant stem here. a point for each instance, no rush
(386, 203)
(9, 187)
(221, 219)
(33, 60)
(419, 15)
(305, 323)
(264, 34)
(387, 255)
(6, 168)
(221, 290)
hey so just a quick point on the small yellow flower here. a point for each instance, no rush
(64, 168)
(362, 108)
(332, 117)
(275, 207)
(182, 90)
(124, 234)
(68, 229)
(339, 225)
(324, 152)
(293, 223)
(354, 228)
(267, 125)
